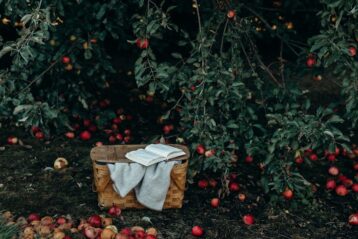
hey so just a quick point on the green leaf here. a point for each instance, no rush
(101, 11)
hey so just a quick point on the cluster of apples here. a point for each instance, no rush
(64, 227)
(212, 183)
(311, 60)
(198, 231)
(339, 182)
(36, 132)
(201, 150)
(116, 129)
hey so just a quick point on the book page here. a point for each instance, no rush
(144, 157)
(166, 151)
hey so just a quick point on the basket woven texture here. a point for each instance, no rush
(115, 154)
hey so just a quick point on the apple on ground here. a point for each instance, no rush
(341, 190)
(203, 183)
(353, 219)
(248, 219)
(85, 135)
(234, 187)
(215, 202)
(330, 184)
(197, 231)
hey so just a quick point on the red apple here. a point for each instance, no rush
(142, 43)
(333, 171)
(85, 135)
(337, 151)
(90, 232)
(127, 139)
(212, 183)
(352, 51)
(119, 137)
(203, 183)
(209, 153)
(61, 220)
(95, 221)
(12, 140)
(353, 219)
(330, 184)
(347, 182)
(287, 194)
(234, 187)
(126, 231)
(112, 139)
(86, 122)
(114, 127)
(311, 61)
(99, 143)
(70, 135)
(242, 197)
(341, 178)
(215, 202)
(127, 132)
(140, 234)
(313, 157)
(355, 187)
(200, 149)
(331, 157)
(197, 231)
(231, 14)
(114, 211)
(33, 217)
(355, 166)
(308, 152)
(117, 120)
(66, 60)
(39, 135)
(341, 190)
(166, 129)
(233, 176)
(35, 129)
(248, 219)
(299, 160)
(249, 159)
(317, 77)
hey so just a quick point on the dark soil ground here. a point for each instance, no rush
(26, 186)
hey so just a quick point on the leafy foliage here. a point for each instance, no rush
(332, 46)
(229, 94)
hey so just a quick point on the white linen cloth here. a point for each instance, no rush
(150, 183)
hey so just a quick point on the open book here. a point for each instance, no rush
(154, 153)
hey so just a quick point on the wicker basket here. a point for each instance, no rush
(113, 154)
